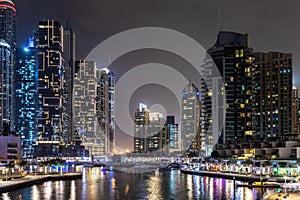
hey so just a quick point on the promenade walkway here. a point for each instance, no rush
(279, 196)
(29, 180)
(218, 174)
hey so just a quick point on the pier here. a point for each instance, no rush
(218, 174)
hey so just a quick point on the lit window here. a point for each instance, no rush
(241, 53)
(237, 53)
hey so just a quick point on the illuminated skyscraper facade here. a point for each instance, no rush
(152, 133)
(171, 130)
(141, 122)
(105, 105)
(26, 98)
(49, 46)
(190, 119)
(69, 72)
(272, 109)
(8, 23)
(6, 88)
(7, 51)
(85, 107)
(295, 111)
(234, 60)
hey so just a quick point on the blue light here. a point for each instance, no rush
(26, 49)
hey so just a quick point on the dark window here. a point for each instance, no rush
(12, 145)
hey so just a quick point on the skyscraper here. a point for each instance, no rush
(8, 23)
(152, 133)
(190, 119)
(272, 97)
(171, 134)
(8, 49)
(212, 110)
(26, 75)
(105, 105)
(295, 111)
(141, 120)
(234, 60)
(49, 46)
(6, 88)
(84, 113)
(69, 71)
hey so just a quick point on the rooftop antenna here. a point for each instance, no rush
(220, 21)
(109, 61)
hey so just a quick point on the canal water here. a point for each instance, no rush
(97, 184)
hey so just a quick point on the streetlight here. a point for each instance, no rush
(285, 185)
(6, 170)
(35, 169)
(234, 187)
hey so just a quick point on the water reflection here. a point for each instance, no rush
(98, 184)
(73, 190)
(35, 192)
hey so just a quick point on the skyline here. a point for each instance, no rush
(125, 60)
(256, 18)
(159, 99)
(181, 16)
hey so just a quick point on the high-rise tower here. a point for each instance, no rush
(141, 128)
(105, 105)
(26, 97)
(190, 119)
(84, 112)
(69, 73)
(272, 108)
(8, 23)
(49, 46)
(234, 60)
(6, 88)
(8, 51)
(154, 134)
(295, 111)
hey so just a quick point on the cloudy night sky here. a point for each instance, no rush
(272, 25)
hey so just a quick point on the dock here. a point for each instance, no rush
(217, 174)
(258, 186)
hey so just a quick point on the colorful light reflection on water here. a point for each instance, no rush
(98, 184)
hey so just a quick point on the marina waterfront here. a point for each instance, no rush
(97, 183)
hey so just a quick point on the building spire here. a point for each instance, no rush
(220, 21)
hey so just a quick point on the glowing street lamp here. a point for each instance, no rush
(6, 171)
(285, 185)
(35, 169)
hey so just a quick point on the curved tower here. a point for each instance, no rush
(190, 119)
(8, 22)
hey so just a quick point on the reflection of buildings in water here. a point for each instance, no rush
(189, 186)
(154, 191)
(73, 190)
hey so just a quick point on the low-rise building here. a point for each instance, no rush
(10, 148)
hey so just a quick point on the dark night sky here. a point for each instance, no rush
(271, 24)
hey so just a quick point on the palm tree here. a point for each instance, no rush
(249, 163)
(10, 165)
(22, 164)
